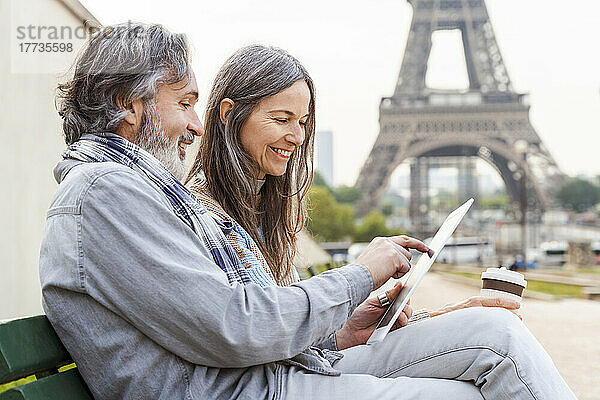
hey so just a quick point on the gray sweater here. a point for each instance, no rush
(138, 301)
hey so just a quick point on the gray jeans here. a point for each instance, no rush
(472, 353)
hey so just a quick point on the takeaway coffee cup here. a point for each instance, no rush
(500, 282)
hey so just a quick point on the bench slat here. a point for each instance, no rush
(65, 386)
(28, 346)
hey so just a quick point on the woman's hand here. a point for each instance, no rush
(364, 319)
(480, 301)
(389, 257)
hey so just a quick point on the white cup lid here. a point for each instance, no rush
(502, 274)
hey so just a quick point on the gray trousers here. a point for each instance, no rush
(475, 353)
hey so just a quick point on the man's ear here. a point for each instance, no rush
(131, 123)
(224, 107)
(134, 117)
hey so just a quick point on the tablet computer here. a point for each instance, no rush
(413, 277)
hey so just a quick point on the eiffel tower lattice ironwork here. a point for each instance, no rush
(487, 120)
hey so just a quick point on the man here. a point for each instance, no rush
(146, 295)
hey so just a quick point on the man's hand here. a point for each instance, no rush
(387, 257)
(480, 301)
(363, 320)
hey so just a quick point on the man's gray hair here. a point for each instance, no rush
(120, 64)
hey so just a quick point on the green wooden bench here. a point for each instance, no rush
(29, 346)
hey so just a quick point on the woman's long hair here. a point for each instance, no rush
(248, 76)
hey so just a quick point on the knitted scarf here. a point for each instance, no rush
(240, 240)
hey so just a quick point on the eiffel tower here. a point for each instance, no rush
(488, 120)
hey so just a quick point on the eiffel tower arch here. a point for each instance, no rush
(488, 120)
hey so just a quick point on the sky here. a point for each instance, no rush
(353, 51)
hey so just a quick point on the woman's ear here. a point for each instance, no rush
(224, 107)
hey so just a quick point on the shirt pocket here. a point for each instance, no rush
(61, 254)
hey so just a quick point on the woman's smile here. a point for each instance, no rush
(279, 119)
(285, 154)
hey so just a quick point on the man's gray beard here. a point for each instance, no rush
(152, 138)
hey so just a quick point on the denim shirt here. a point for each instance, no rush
(146, 314)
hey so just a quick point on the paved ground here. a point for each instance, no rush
(568, 329)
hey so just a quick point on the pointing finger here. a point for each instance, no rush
(410, 243)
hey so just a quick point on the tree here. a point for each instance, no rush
(328, 220)
(373, 225)
(496, 202)
(444, 200)
(318, 180)
(578, 195)
(387, 209)
(347, 194)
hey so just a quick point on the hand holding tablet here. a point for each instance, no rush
(416, 273)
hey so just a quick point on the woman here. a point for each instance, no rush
(263, 171)
(253, 171)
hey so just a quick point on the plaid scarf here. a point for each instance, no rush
(106, 147)
(242, 243)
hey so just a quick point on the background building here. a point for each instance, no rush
(324, 155)
(31, 143)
